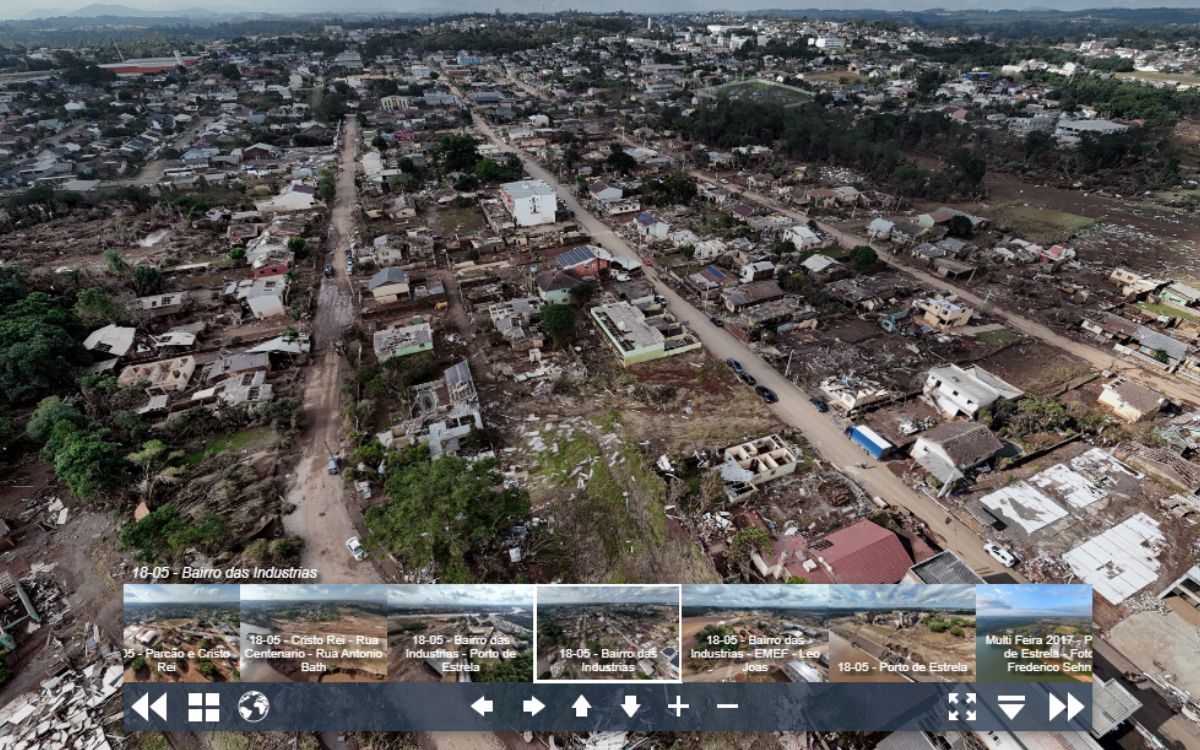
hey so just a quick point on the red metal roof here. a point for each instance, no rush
(864, 552)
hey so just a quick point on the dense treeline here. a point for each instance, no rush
(1123, 99)
(873, 145)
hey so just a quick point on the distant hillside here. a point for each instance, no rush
(98, 10)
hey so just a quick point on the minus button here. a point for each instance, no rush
(727, 705)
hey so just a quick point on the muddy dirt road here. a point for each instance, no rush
(322, 517)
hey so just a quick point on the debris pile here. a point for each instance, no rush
(71, 709)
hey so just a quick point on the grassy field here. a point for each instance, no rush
(616, 525)
(467, 219)
(1138, 75)
(234, 442)
(1038, 224)
(1174, 312)
(836, 76)
(999, 337)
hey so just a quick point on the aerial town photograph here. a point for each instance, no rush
(459, 633)
(181, 633)
(713, 293)
(1041, 634)
(607, 633)
(902, 633)
(313, 633)
(755, 633)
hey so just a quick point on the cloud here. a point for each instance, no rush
(922, 596)
(177, 593)
(659, 595)
(314, 592)
(472, 595)
(756, 597)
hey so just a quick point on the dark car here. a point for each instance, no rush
(766, 394)
(819, 404)
(747, 378)
(735, 365)
(717, 321)
(328, 271)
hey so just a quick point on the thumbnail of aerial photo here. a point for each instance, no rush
(314, 633)
(1034, 633)
(608, 633)
(902, 633)
(181, 633)
(451, 633)
(771, 633)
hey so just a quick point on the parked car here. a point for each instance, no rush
(334, 466)
(329, 271)
(357, 551)
(766, 394)
(819, 404)
(747, 378)
(735, 365)
(717, 321)
(1000, 554)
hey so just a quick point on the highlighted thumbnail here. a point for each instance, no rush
(768, 633)
(1038, 633)
(902, 633)
(314, 633)
(587, 633)
(181, 633)
(469, 633)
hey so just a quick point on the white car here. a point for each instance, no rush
(356, 549)
(1000, 555)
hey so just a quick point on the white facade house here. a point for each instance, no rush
(531, 202)
(956, 390)
(803, 238)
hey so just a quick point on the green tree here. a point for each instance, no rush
(618, 160)
(147, 280)
(558, 321)
(165, 532)
(438, 512)
(38, 351)
(49, 412)
(230, 72)
(745, 543)
(864, 257)
(154, 459)
(117, 265)
(457, 152)
(84, 459)
(93, 306)
(237, 254)
(959, 226)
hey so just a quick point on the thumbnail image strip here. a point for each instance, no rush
(314, 633)
(460, 633)
(1035, 633)
(181, 632)
(755, 633)
(603, 632)
(902, 633)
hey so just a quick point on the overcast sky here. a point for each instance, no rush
(1061, 599)
(942, 596)
(755, 597)
(466, 596)
(551, 595)
(314, 592)
(159, 593)
(34, 8)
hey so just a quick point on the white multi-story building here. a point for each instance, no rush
(531, 202)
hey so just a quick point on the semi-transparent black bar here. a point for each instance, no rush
(345, 707)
